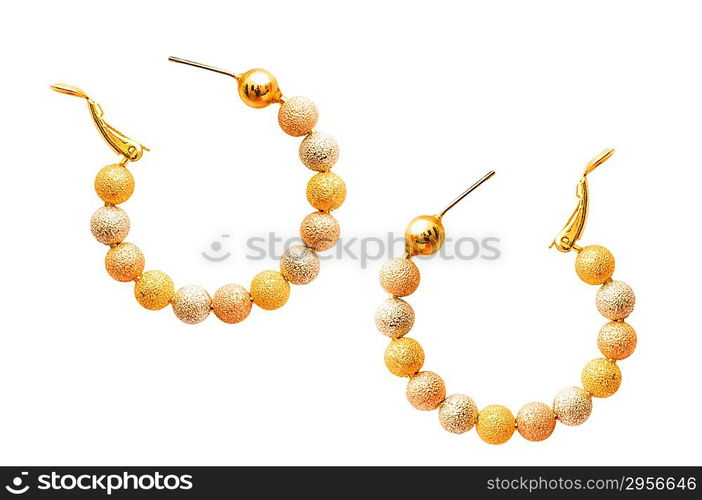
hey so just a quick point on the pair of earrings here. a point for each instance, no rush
(299, 265)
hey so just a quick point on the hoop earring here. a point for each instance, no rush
(495, 424)
(231, 303)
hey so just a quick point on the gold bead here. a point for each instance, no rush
(495, 424)
(536, 421)
(109, 225)
(270, 290)
(426, 391)
(424, 235)
(615, 300)
(572, 406)
(299, 265)
(594, 264)
(319, 151)
(458, 413)
(124, 262)
(191, 304)
(154, 290)
(616, 340)
(231, 303)
(326, 191)
(601, 377)
(297, 116)
(319, 231)
(394, 317)
(114, 184)
(258, 88)
(404, 357)
(399, 277)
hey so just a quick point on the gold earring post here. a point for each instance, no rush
(204, 66)
(466, 193)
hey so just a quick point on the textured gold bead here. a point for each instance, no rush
(114, 184)
(404, 357)
(270, 290)
(319, 231)
(458, 413)
(326, 191)
(297, 116)
(258, 88)
(299, 265)
(124, 262)
(424, 235)
(572, 405)
(536, 421)
(426, 391)
(154, 290)
(495, 424)
(319, 151)
(399, 277)
(231, 303)
(191, 304)
(615, 300)
(109, 225)
(616, 340)
(594, 264)
(394, 317)
(601, 377)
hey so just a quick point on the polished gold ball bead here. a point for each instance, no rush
(495, 424)
(594, 264)
(299, 265)
(258, 88)
(326, 191)
(124, 262)
(424, 235)
(319, 151)
(191, 304)
(399, 277)
(536, 421)
(154, 290)
(615, 300)
(404, 357)
(109, 225)
(319, 231)
(297, 116)
(114, 184)
(394, 317)
(269, 290)
(572, 406)
(616, 340)
(601, 377)
(231, 303)
(426, 391)
(458, 413)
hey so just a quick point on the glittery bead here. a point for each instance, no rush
(616, 340)
(231, 303)
(394, 317)
(124, 262)
(109, 225)
(154, 290)
(594, 264)
(601, 377)
(319, 151)
(191, 304)
(319, 231)
(399, 277)
(326, 191)
(615, 300)
(404, 357)
(572, 406)
(495, 424)
(426, 391)
(270, 290)
(299, 265)
(458, 413)
(297, 116)
(114, 184)
(536, 421)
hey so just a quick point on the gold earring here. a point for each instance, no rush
(495, 424)
(231, 303)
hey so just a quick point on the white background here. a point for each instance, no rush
(423, 97)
